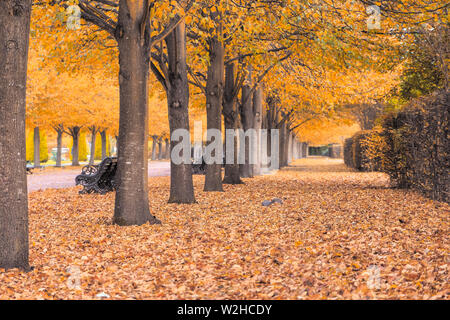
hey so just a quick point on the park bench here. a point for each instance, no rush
(200, 168)
(98, 178)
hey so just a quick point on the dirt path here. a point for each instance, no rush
(65, 177)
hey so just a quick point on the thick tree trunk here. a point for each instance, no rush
(37, 148)
(154, 144)
(131, 203)
(214, 94)
(93, 138)
(257, 114)
(59, 133)
(247, 120)
(104, 143)
(14, 32)
(231, 122)
(75, 146)
(181, 185)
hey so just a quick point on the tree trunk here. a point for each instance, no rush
(247, 120)
(14, 34)
(93, 138)
(37, 148)
(59, 133)
(154, 143)
(231, 122)
(289, 147)
(283, 145)
(104, 143)
(257, 114)
(75, 146)
(166, 149)
(160, 152)
(131, 203)
(214, 94)
(181, 185)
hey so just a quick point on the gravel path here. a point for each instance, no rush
(65, 178)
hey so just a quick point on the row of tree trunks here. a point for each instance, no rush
(14, 37)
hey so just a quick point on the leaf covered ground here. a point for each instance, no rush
(338, 235)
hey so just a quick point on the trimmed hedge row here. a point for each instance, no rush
(417, 146)
(355, 152)
(412, 147)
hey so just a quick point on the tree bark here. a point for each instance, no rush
(75, 146)
(14, 35)
(166, 149)
(131, 203)
(93, 138)
(154, 143)
(37, 148)
(181, 185)
(231, 122)
(283, 145)
(59, 133)
(214, 95)
(247, 120)
(104, 143)
(160, 151)
(257, 114)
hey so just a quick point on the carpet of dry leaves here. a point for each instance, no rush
(338, 235)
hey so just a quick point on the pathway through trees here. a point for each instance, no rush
(65, 178)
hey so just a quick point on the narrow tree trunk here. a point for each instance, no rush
(166, 149)
(75, 146)
(131, 203)
(231, 122)
(257, 114)
(37, 148)
(59, 133)
(289, 150)
(181, 185)
(14, 33)
(214, 94)
(93, 138)
(283, 144)
(104, 143)
(154, 143)
(246, 169)
(160, 151)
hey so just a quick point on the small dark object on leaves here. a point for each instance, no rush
(277, 200)
(266, 203)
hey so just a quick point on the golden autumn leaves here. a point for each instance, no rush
(338, 235)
